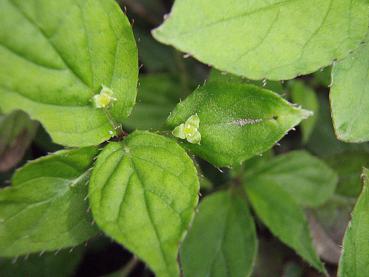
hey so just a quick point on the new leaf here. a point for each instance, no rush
(237, 121)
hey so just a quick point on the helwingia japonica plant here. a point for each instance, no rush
(218, 160)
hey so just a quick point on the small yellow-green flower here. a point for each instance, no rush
(189, 130)
(104, 99)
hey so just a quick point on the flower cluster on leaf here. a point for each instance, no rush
(189, 130)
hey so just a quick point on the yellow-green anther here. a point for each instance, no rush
(105, 98)
(189, 130)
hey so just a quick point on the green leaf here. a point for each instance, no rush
(56, 55)
(216, 75)
(154, 56)
(44, 209)
(222, 239)
(59, 264)
(350, 97)
(306, 97)
(157, 97)
(308, 180)
(17, 131)
(349, 165)
(275, 39)
(286, 220)
(323, 77)
(355, 258)
(237, 121)
(323, 142)
(143, 193)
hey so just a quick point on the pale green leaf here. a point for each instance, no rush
(355, 255)
(56, 55)
(286, 220)
(157, 95)
(17, 131)
(222, 239)
(143, 193)
(308, 180)
(350, 97)
(45, 208)
(306, 97)
(237, 121)
(276, 39)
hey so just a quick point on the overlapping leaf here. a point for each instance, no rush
(45, 208)
(143, 193)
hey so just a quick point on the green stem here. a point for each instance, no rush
(120, 133)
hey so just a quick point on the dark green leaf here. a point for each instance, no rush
(323, 141)
(60, 264)
(154, 56)
(222, 239)
(308, 180)
(349, 165)
(158, 95)
(45, 208)
(285, 219)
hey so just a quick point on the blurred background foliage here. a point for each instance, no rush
(166, 77)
